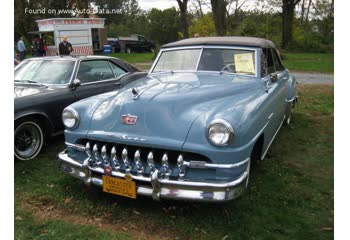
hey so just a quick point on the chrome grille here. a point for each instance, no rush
(141, 161)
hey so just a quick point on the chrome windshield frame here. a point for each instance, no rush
(202, 47)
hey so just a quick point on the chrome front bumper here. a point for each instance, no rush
(160, 188)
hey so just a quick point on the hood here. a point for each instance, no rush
(22, 90)
(167, 106)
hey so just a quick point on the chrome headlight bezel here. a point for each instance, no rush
(226, 125)
(73, 114)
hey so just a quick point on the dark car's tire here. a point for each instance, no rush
(29, 139)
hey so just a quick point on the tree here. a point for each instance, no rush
(183, 13)
(219, 16)
(288, 7)
(164, 25)
(203, 26)
(124, 7)
(234, 12)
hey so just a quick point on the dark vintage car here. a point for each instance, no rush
(190, 129)
(133, 43)
(45, 86)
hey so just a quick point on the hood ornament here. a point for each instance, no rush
(135, 92)
(129, 119)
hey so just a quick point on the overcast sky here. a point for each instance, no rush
(148, 4)
(163, 4)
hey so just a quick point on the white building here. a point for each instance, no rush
(85, 34)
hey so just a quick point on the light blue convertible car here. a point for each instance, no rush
(189, 130)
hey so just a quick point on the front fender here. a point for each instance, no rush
(248, 121)
(85, 108)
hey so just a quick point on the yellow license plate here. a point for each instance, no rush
(119, 186)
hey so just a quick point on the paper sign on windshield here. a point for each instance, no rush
(244, 63)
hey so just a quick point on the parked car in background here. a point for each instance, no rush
(45, 86)
(133, 43)
(190, 130)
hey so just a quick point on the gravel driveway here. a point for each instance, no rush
(314, 78)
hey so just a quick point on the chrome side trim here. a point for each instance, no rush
(204, 165)
(268, 146)
(78, 147)
(291, 100)
(205, 184)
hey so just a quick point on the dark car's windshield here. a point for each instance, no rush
(45, 71)
(240, 61)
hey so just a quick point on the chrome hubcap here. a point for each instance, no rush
(28, 140)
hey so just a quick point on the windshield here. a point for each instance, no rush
(45, 71)
(239, 61)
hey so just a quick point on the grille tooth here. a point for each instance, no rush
(126, 161)
(150, 162)
(114, 159)
(180, 166)
(96, 154)
(137, 159)
(104, 155)
(88, 149)
(165, 169)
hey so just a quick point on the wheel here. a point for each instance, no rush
(29, 139)
(288, 115)
(128, 50)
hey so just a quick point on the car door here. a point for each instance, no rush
(282, 76)
(97, 76)
(274, 90)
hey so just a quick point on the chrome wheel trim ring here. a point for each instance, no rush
(34, 140)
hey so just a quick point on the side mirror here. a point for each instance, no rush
(274, 78)
(75, 84)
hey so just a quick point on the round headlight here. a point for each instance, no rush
(70, 118)
(220, 132)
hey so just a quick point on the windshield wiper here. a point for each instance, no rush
(30, 81)
(168, 71)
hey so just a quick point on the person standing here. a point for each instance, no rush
(21, 49)
(65, 47)
(42, 47)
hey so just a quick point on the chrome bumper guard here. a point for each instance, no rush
(162, 188)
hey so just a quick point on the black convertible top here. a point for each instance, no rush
(236, 41)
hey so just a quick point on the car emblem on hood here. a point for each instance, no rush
(129, 119)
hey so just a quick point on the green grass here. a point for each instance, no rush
(135, 57)
(290, 194)
(309, 62)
